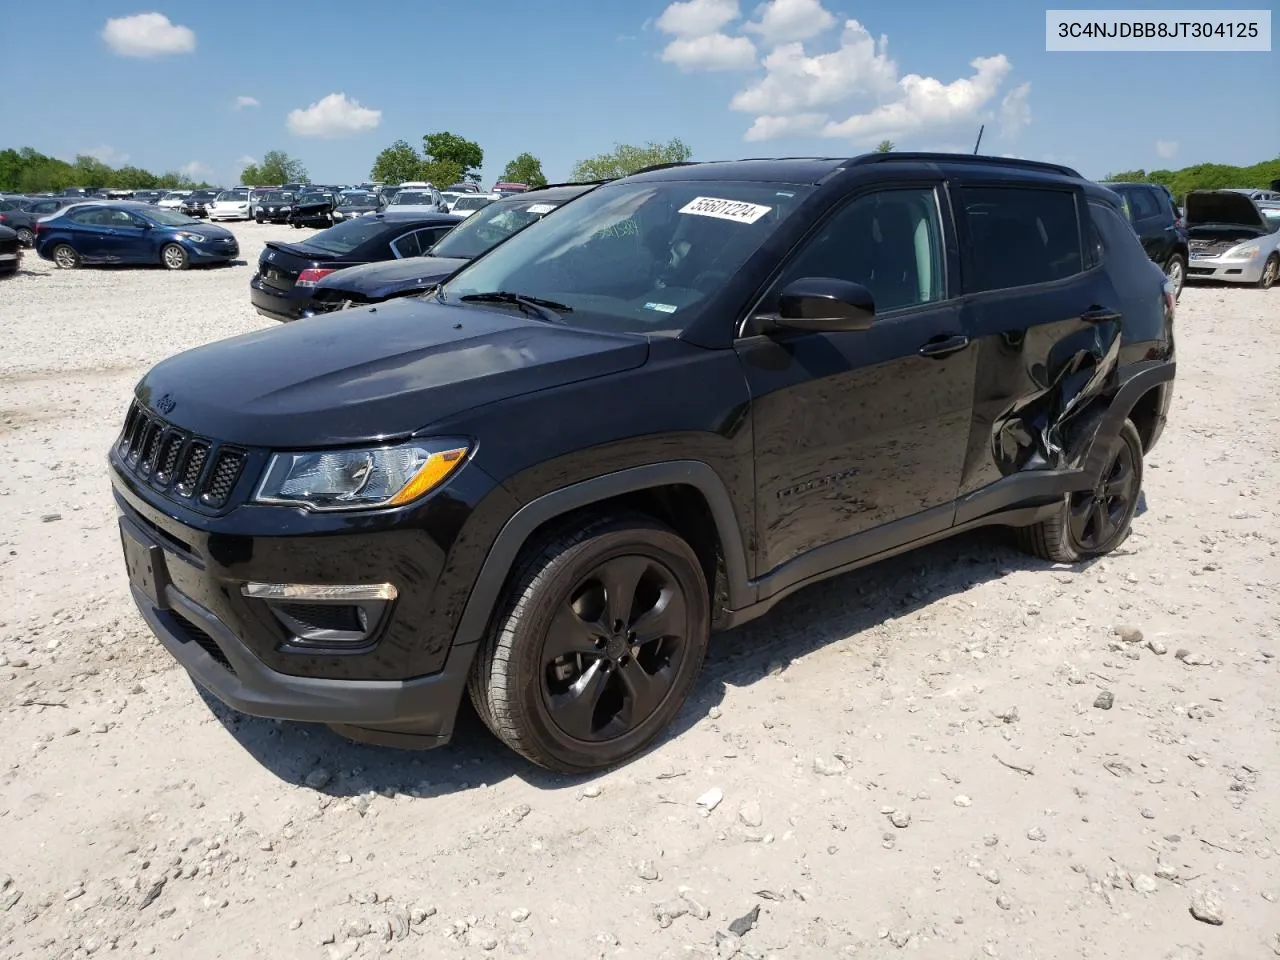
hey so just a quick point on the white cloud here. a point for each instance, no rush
(195, 170)
(242, 102)
(245, 161)
(147, 35)
(108, 155)
(773, 127)
(716, 51)
(1015, 110)
(794, 81)
(333, 117)
(927, 103)
(697, 18)
(782, 21)
(1166, 149)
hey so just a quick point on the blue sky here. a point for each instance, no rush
(567, 80)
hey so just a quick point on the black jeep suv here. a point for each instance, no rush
(686, 395)
(1151, 209)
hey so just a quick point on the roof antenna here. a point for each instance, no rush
(976, 145)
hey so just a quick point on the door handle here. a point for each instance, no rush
(1099, 315)
(944, 346)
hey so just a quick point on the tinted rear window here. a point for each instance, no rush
(1020, 236)
(347, 235)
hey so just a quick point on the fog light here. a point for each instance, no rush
(336, 617)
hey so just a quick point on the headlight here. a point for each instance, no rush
(360, 479)
(193, 237)
(283, 209)
(1247, 252)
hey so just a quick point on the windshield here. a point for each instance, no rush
(175, 196)
(416, 197)
(347, 235)
(277, 196)
(638, 257)
(358, 200)
(489, 227)
(167, 218)
(471, 203)
(233, 196)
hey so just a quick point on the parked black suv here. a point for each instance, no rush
(686, 395)
(1151, 209)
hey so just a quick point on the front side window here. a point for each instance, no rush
(488, 228)
(1020, 236)
(889, 241)
(638, 256)
(1144, 204)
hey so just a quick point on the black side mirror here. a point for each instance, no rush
(825, 304)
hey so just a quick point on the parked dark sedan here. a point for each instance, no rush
(356, 204)
(313, 210)
(149, 196)
(275, 206)
(478, 234)
(47, 206)
(197, 202)
(15, 213)
(131, 232)
(288, 272)
(10, 251)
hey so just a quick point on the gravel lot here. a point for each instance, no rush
(913, 757)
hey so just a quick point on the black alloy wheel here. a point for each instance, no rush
(596, 644)
(1093, 522)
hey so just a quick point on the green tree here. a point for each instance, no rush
(886, 146)
(441, 172)
(397, 163)
(445, 147)
(526, 168)
(91, 172)
(627, 158)
(276, 167)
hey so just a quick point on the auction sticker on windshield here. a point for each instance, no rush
(735, 210)
(540, 208)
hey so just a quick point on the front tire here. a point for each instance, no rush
(1176, 270)
(65, 256)
(1091, 523)
(596, 644)
(174, 257)
(1270, 272)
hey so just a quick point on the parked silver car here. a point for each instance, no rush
(1232, 239)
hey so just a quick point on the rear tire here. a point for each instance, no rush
(26, 236)
(595, 645)
(174, 257)
(1176, 270)
(65, 256)
(1270, 272)
(1091, 523)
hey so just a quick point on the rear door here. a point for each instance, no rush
(1045, 319)
(87, 228)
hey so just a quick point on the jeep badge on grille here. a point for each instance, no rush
(166, 404)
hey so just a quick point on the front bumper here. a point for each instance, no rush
(1229, 270)
(211, 253)
(276, 304)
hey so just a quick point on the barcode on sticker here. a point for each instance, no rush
(735, 210)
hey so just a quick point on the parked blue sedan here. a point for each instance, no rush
(131, 232)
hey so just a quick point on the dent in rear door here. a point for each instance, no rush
(1046, 322)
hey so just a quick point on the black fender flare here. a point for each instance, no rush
(474, 621)
(1111, 418)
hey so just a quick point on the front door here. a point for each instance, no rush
(123, 238)
(860, 436)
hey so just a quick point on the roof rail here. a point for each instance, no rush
(968, 158)
(664, 166)
(573, 183)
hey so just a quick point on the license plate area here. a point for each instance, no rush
(145, 562)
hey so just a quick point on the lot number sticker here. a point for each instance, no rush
(734, 210)
(540, 208)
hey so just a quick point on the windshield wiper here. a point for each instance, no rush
(547, 310)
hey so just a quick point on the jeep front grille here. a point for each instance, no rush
(185, 467)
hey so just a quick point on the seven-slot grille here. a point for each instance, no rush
(172, 460)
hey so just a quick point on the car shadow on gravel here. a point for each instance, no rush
(815, 617)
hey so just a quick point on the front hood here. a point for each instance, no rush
(1224, 207)
(361, 374)
(386, 277)
(209, 230)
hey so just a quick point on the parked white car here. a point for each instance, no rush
(1232, 239)
(230, 205)
(468, 203)
(417, 200)
(173, 200)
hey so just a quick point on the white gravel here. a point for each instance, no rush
(840, 731)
